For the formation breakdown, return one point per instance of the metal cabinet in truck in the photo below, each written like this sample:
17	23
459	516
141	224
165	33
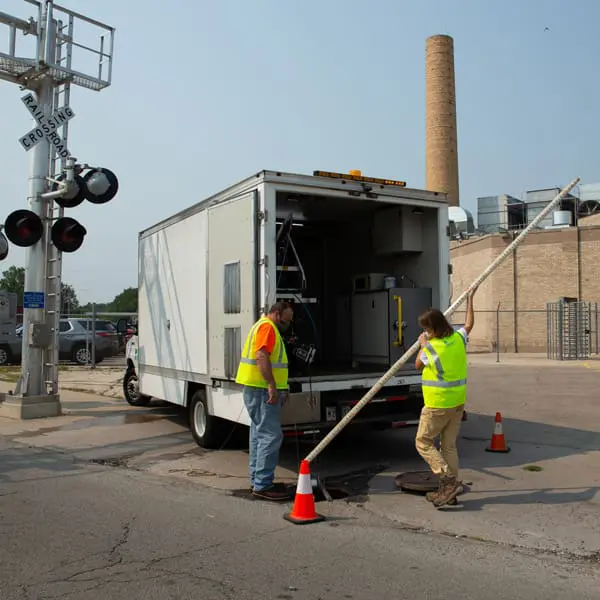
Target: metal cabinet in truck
358	257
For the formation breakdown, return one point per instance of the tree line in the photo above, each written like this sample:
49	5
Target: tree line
13	280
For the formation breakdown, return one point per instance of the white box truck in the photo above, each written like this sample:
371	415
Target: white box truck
358	257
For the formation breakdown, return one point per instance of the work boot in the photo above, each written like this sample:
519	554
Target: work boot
431	496
274	493
449	489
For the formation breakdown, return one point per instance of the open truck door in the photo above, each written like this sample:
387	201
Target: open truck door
233	307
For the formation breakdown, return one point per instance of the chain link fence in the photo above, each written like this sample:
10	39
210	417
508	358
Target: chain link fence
508	331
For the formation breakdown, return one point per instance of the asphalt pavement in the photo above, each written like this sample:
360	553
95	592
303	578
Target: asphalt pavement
111	501
80	531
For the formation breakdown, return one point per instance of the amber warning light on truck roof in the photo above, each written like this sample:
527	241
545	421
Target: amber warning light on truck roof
356	176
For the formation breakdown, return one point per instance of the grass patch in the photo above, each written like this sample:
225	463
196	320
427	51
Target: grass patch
533	468
12	374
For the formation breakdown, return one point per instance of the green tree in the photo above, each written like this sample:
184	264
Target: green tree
126	301
13	280
101	307
69	300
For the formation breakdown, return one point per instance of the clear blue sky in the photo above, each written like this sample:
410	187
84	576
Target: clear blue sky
207	93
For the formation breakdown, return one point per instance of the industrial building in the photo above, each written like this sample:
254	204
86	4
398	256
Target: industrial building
501	213
559	260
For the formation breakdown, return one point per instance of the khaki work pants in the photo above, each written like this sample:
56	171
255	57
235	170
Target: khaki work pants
446	423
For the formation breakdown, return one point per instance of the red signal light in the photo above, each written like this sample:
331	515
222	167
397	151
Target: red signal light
67	234
23	228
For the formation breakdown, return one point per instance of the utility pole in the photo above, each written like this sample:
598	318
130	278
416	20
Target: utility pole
55	182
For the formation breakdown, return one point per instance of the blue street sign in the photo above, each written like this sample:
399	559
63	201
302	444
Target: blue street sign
33	300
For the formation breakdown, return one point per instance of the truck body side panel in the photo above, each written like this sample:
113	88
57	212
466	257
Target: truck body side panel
232	298
173	305
228	403
164	387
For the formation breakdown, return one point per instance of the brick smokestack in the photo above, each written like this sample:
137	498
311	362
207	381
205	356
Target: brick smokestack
441	141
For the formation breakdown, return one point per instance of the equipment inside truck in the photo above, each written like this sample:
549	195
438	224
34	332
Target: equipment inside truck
358	274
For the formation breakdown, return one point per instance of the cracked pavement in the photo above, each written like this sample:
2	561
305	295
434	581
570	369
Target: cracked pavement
83	531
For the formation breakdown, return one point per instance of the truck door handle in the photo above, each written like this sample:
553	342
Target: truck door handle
399	324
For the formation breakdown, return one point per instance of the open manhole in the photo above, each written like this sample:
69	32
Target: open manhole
354	484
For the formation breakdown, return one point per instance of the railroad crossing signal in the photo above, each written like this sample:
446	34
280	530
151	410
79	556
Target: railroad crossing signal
23	228
47	126
102	185
67	234
75	195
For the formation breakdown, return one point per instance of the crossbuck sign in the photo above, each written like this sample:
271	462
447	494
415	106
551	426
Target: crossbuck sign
46	126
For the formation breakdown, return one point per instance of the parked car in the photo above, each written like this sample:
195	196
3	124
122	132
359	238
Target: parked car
10	350
75	342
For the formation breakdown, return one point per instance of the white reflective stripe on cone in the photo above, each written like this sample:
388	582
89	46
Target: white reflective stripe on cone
304	485
498	428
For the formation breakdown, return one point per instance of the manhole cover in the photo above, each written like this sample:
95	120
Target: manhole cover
417	481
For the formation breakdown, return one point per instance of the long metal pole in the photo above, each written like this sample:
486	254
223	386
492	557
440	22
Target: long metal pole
404	358
35	261
498	333
93	324
32	381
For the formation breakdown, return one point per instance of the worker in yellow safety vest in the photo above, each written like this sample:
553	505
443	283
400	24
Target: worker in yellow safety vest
263	371
443	360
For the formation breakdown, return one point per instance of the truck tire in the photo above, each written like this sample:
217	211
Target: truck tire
208	431
131	390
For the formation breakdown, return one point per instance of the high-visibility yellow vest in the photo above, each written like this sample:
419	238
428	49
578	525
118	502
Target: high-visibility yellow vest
445	376
248	372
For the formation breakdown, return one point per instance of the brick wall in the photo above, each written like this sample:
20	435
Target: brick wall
547	266
590	221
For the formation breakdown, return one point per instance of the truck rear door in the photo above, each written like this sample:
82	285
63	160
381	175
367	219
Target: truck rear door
233	251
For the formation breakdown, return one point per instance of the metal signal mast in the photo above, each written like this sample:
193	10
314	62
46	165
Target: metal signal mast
56	182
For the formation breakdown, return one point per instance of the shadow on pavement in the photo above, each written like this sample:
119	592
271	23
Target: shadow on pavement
533	496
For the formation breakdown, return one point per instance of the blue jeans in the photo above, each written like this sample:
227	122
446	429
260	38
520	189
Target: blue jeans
266	436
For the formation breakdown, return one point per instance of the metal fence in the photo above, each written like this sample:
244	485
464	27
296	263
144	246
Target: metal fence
509	331
572	328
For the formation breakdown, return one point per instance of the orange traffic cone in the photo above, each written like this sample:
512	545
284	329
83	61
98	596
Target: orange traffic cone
304	503
498	443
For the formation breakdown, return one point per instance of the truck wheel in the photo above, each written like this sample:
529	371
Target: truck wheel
208	431
131	390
